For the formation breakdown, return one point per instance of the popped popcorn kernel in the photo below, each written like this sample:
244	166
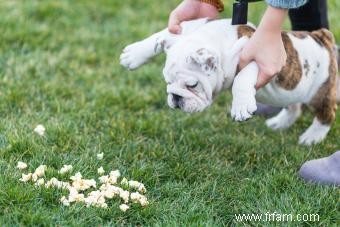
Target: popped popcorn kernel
113	176
40	182
83	184
25	177
124	195
55	183
40	130
136	197
34	177
21	165
124	182
100	156
64	201
123	207
65	169
101	171
40	171
95	198
76	177
104	179
137	185
110	191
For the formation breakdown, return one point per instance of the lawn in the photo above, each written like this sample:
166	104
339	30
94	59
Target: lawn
59	66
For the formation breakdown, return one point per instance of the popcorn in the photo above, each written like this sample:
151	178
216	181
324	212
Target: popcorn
101	171
100	156
65	169
74	196
124	195
40	182
104	179
136	197
64	201
113	176
25	177
137	185
55	183
96	198
21	165
110	191
40	171
83	184
124	182
76	177
34	177
143	201
40	130
123	207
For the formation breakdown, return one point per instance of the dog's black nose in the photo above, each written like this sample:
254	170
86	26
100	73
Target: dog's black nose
176	100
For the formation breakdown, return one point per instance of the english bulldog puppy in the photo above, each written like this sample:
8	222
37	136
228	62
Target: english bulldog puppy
203	61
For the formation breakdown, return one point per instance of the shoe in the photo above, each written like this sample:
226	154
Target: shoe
266	110
323	170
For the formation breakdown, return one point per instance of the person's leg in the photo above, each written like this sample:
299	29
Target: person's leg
312	16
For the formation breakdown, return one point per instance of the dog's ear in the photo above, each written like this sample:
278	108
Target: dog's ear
205	59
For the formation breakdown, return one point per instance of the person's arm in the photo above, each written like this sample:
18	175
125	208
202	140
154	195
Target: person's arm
266	46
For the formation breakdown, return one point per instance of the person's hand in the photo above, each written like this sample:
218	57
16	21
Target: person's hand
266	47
189	10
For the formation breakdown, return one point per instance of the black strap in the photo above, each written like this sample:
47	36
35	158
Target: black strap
240	11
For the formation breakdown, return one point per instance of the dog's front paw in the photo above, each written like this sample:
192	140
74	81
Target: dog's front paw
134	55
243	110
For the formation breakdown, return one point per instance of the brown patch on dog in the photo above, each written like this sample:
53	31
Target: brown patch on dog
323	37
299	34
324	102
291	73
245	30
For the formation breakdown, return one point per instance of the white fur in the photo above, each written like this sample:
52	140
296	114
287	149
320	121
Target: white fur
285	118
315	133
207	54
243	90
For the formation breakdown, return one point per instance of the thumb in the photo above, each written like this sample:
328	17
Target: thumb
245	59
173	25
262	79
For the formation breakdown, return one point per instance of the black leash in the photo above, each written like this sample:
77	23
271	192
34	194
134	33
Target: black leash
240	11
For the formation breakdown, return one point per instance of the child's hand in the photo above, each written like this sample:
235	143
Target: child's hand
189	10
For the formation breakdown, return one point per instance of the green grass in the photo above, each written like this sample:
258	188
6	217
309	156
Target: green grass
59	67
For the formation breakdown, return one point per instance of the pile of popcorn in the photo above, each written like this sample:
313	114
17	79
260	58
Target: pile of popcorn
86	191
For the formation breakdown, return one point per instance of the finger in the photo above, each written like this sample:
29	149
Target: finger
262	79
173	25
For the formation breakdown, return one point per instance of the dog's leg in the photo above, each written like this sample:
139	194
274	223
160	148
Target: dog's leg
285	118
315	133
243	90
324	105
137	54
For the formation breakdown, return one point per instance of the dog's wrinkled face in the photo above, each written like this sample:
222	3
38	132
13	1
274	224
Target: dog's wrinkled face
191	76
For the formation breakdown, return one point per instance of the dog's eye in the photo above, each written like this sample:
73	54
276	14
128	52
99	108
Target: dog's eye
192	86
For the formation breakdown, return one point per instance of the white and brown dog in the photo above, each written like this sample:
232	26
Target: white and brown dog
203	60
